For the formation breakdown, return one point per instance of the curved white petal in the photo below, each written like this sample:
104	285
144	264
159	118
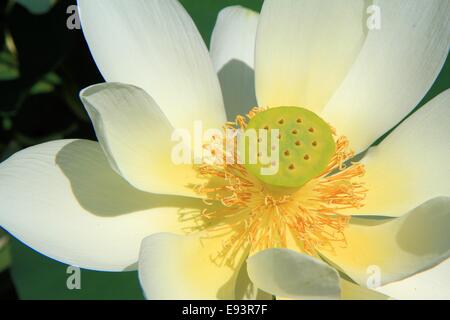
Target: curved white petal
287	273
63	200
396	67
379	252
155	46
173	267
246	290
136	137
352	291
232	53
433	284
304	49
412	165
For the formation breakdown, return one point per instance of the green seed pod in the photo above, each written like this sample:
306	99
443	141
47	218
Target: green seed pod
306	146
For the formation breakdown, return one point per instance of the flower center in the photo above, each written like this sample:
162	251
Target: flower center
299	205
304	148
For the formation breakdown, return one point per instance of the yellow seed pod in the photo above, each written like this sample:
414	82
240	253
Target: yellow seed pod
305	146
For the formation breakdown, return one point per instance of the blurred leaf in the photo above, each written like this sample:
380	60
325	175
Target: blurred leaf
47	84
39	278
37	6
8	66
5	257
7	124
42	42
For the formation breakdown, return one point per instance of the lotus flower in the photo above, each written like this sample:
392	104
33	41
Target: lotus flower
210	231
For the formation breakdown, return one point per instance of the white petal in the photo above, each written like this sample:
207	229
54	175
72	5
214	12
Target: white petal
155	46
246	289
351	291
396	67
379	252
232	52
136	137
305	49
433	284
412	165
173	267
289	274
63	200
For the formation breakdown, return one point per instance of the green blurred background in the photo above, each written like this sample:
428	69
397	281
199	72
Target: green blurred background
43	66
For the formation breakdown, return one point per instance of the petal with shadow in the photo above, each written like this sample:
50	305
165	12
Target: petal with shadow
289	274
156	46
63	199
187	267
381	251
232	52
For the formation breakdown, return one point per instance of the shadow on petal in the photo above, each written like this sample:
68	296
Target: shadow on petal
425	232
105	193
237	81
